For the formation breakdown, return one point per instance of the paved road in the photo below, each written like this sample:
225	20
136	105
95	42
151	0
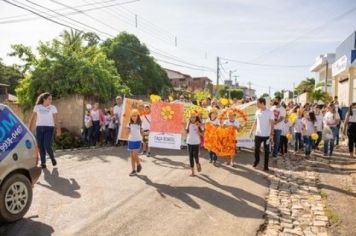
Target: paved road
90	193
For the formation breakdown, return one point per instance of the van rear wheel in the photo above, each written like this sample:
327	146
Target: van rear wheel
15	198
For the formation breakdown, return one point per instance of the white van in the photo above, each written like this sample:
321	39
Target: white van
18	166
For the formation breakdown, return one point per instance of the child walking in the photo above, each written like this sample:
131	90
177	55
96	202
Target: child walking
193	140
308	129
134	141
213	119
146	126
231	121
297	128
286	127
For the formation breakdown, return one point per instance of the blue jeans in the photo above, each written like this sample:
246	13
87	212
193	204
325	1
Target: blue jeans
277	141
317	142
44	137
298	141
329	144
213	156
95	132
308	144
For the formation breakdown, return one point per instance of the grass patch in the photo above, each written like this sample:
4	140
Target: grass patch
333	217
324	195
347	188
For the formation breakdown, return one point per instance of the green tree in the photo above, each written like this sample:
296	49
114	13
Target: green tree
237	93
71	64
10	75
320	95
306	86
278	94
224	92
265	95
200	95
136	67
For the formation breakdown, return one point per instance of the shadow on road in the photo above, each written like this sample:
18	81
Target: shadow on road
236	207
63	186
26	227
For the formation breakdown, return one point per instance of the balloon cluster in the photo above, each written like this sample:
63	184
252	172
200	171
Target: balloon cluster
155	98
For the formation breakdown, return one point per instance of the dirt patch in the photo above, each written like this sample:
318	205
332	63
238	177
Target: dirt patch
338	186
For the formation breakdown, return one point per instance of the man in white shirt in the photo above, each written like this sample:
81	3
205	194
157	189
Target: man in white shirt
279	113
264	124
117	110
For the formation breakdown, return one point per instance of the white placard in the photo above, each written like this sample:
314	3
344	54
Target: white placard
165	140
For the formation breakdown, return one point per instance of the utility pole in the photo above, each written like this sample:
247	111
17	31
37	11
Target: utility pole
236	81
269	91
326	76
249	89
136	21
217	74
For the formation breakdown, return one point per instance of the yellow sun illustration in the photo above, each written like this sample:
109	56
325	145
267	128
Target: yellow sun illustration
167	113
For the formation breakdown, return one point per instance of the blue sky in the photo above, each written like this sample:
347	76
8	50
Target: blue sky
277	32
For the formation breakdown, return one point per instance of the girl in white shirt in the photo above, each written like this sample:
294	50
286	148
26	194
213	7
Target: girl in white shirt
318	126
308	129
286	127
45	116
213	119
146	126
231	121
134	140
194	131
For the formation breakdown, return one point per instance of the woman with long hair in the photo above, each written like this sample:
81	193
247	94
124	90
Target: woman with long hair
45	116
350	128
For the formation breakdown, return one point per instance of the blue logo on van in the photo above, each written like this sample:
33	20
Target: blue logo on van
11	132
28	144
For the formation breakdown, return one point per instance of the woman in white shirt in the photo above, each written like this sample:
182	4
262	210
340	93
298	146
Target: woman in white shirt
194	131
45	116
350	123
332	120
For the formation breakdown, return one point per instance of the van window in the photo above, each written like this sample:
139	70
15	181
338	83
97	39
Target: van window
11	132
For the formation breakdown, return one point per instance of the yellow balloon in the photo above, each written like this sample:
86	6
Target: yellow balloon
224	101
292	118
314	136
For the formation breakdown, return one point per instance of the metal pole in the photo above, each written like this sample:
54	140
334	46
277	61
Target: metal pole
217	74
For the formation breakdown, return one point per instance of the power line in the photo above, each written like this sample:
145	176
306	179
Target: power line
60	9
71	19
29	17
144	30
265	65
76	28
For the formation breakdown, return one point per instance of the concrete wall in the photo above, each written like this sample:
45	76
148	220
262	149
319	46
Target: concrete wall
71	113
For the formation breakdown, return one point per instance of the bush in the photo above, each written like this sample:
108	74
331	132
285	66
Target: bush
67	141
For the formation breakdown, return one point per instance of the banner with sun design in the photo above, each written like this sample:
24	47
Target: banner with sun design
166	125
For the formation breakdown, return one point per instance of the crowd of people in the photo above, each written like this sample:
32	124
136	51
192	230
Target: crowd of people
279	128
